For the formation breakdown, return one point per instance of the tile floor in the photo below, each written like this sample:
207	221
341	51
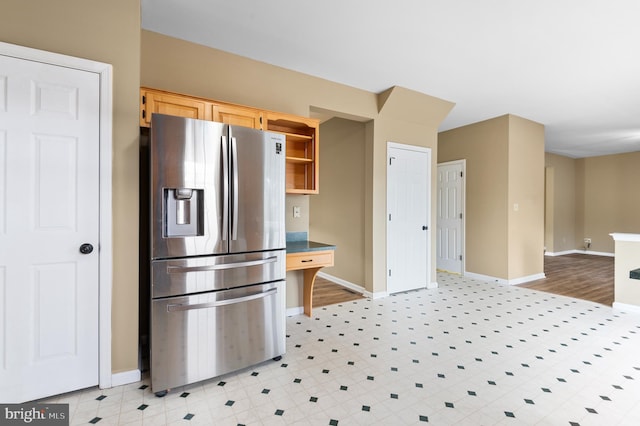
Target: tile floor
466	353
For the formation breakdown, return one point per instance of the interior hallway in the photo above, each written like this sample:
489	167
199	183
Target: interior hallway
466	353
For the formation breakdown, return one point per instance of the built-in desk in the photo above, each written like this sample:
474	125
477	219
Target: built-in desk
310	257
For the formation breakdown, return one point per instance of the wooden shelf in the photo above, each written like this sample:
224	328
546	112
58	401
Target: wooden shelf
292	137
302	150
299	160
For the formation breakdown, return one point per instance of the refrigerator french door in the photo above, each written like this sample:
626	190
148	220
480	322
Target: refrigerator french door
217	249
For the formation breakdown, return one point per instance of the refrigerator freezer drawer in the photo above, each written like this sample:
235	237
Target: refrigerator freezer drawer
200	274
202	336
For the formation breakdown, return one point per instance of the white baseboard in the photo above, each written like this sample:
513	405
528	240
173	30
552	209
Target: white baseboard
344	283
527	279
375	296
596	253
292	312
503	281
354	287
626	307
559	253
126	377
593	253
487	278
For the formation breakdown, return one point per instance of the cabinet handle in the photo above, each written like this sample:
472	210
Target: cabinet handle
220	266
306	260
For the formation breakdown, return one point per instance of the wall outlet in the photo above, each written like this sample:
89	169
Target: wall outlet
587	243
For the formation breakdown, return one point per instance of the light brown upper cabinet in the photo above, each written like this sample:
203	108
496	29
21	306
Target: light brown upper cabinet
302	134
171	104
237	115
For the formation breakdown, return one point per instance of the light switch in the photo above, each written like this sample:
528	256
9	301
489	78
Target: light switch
296	211
516	207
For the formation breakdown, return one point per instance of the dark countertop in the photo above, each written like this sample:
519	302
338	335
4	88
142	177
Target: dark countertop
635	274
297	242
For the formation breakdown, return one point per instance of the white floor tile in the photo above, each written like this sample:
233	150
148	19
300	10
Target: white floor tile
466	353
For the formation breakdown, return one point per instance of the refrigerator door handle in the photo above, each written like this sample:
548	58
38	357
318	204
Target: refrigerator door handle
220	266
234	174
187	307
225	189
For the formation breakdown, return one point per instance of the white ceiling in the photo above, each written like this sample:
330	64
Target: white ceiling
572	65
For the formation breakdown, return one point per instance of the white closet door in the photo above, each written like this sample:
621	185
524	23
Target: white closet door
408	200
49	208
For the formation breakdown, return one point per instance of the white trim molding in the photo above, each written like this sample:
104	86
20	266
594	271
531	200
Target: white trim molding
104	72
619	236
626	307
576	251
344	283
292	312
514	281
527	279
355	287
126	377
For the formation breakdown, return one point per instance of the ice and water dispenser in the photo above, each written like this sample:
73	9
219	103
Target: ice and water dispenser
183	212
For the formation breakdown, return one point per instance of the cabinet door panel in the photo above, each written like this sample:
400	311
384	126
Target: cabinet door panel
181	106
237	116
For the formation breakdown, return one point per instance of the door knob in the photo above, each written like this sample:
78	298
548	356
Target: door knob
425	227
86	248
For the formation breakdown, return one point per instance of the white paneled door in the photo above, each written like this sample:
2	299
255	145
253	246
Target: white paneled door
450	238
49	229
408	195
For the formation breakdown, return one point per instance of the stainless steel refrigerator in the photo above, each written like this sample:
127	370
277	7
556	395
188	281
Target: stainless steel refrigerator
217	249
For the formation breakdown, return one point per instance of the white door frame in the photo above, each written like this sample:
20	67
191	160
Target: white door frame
429	206
105	257
463	204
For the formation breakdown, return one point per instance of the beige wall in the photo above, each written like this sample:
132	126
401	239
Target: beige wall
526	198
485	147
337	212
399	114
549	200
607	198
504	229
560	227
106	32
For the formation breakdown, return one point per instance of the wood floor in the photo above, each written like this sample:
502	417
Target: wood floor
581	276
326	293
